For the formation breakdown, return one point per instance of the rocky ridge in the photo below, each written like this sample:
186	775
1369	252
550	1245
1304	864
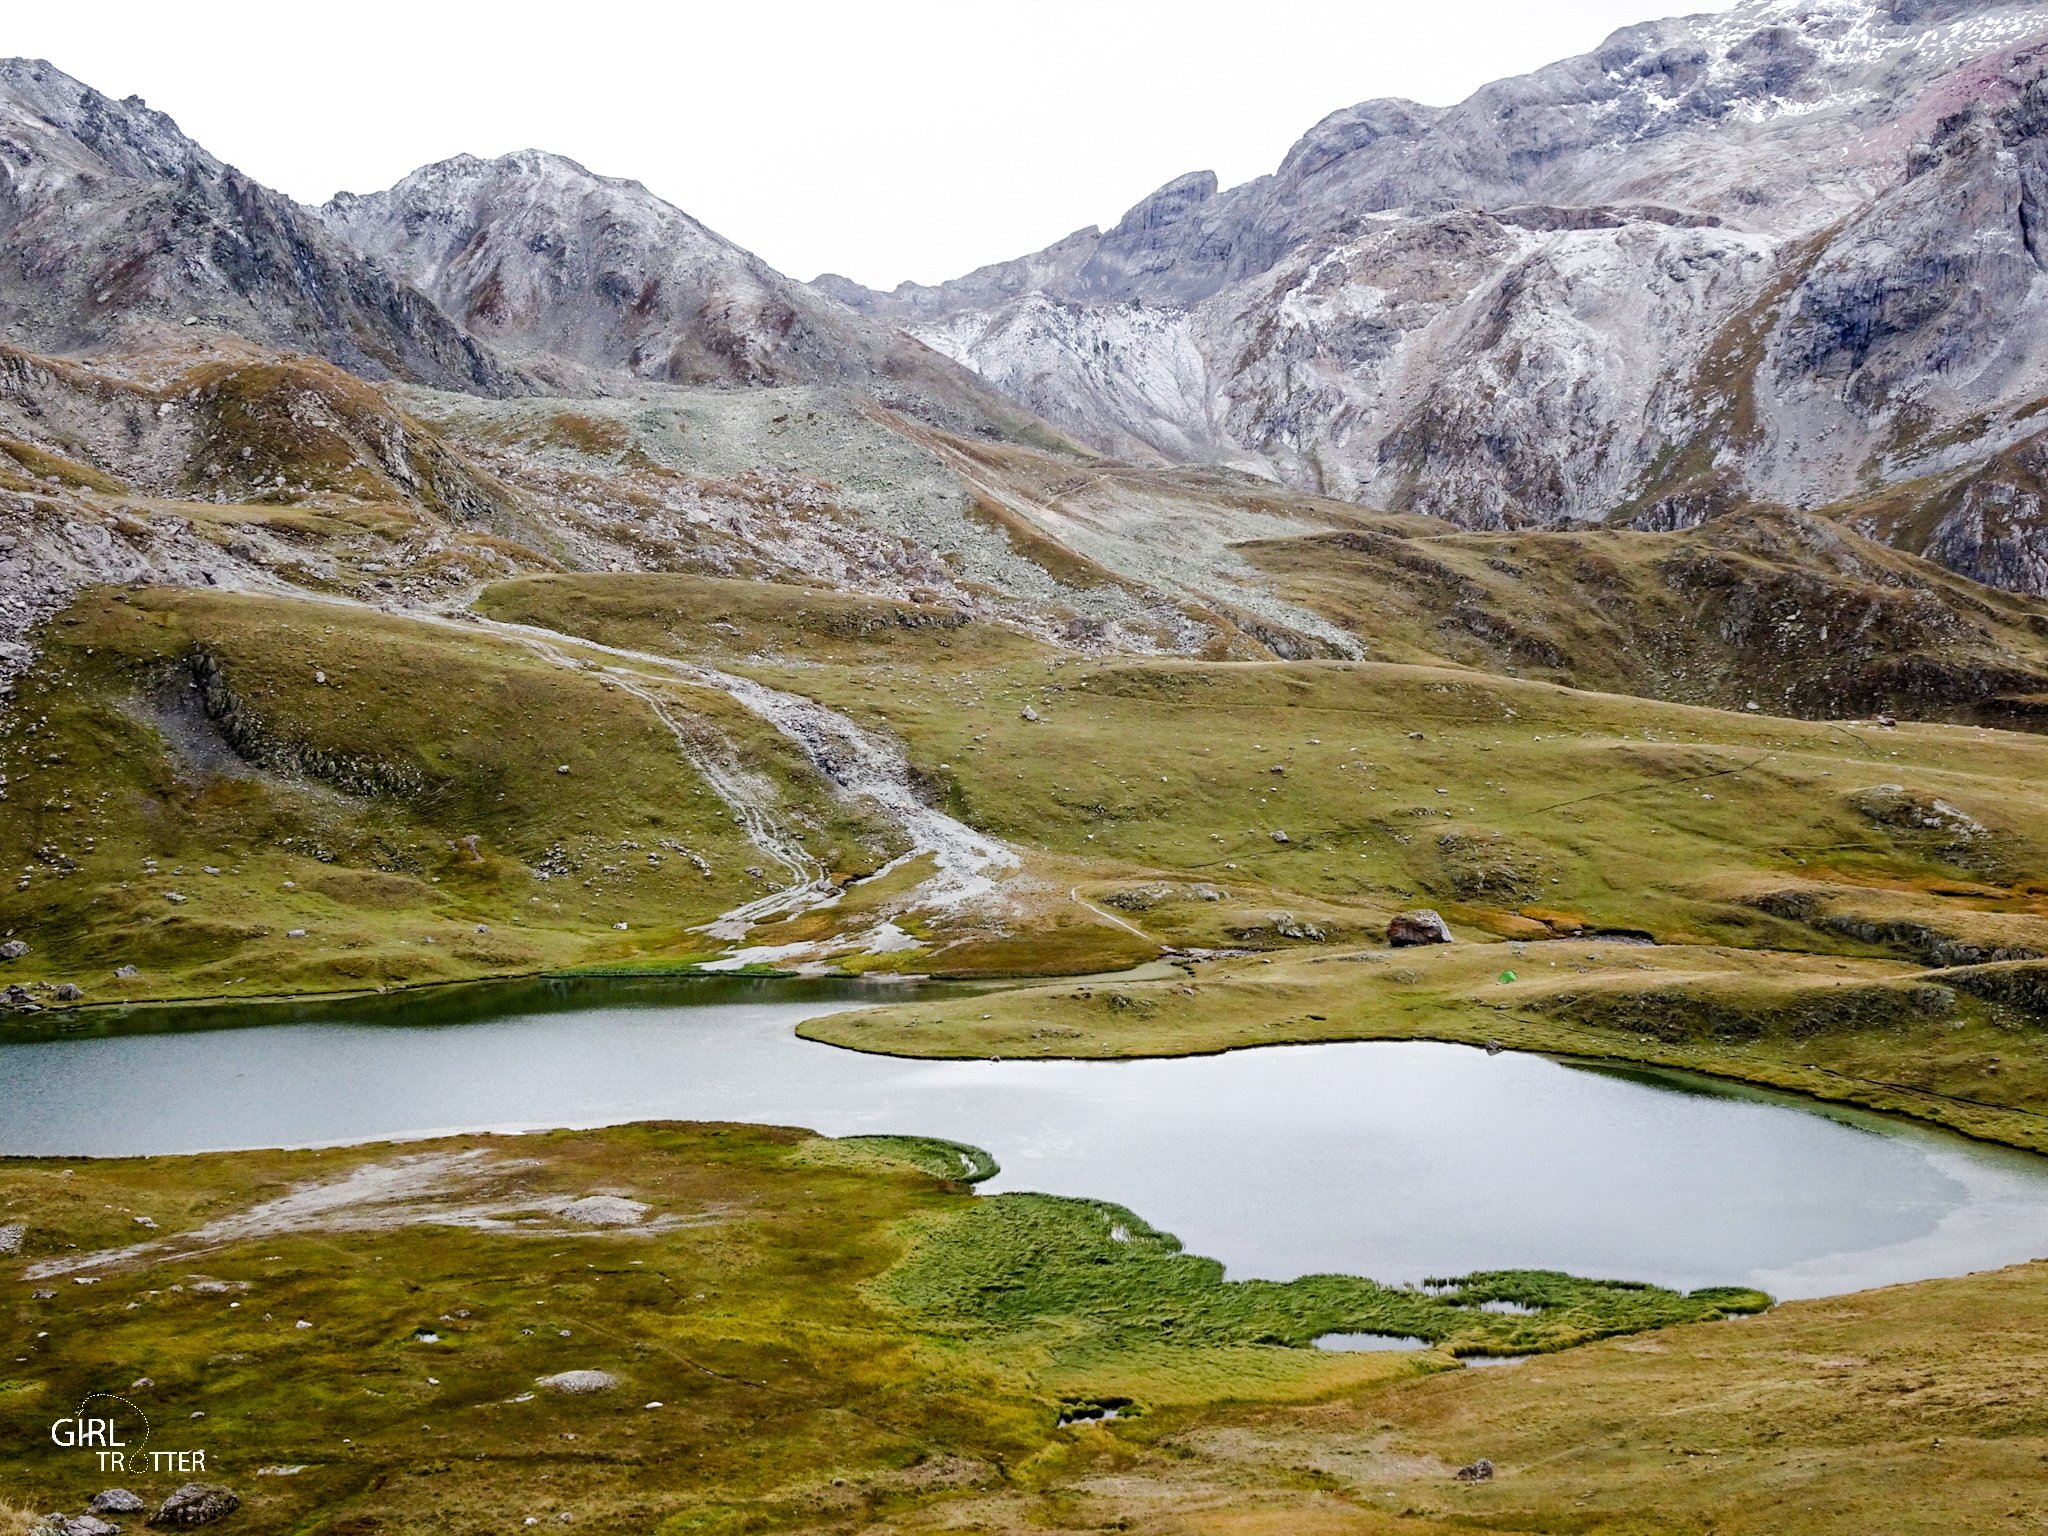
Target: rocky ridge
116	228
586	277
1785	254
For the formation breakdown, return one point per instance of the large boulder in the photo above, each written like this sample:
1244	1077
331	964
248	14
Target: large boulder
115	1501
13	949
1422	926
196	1504
578	1382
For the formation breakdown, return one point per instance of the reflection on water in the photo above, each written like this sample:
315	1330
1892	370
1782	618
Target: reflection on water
1394	1160
1355	1343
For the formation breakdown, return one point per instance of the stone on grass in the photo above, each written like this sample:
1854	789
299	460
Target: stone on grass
1480	1471
85	1525
605	1211
13	949
578	1382
115	1501
67	992
1422	926
196	1504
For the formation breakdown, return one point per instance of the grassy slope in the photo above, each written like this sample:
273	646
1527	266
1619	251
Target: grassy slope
811	1292
1784	608
344	807
839	1341
1913	1410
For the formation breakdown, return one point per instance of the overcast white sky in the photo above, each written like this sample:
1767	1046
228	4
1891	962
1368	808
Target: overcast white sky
884	140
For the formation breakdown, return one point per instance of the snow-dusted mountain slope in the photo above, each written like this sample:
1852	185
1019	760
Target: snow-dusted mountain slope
1787	252
559	266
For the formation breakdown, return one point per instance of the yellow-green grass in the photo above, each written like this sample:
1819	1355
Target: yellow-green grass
817	1321
810	1316
716	616
380	783
747	1318
1517	808
1786	609
1873	1033
1509	804
1915	1411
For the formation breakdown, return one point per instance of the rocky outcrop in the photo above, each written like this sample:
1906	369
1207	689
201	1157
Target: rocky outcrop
196	1504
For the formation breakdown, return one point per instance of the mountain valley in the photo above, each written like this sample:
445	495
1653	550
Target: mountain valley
1603	518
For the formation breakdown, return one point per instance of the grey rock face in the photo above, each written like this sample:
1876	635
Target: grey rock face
115	227
561	266
1788	253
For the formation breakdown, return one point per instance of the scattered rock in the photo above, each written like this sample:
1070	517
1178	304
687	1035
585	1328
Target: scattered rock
561	768
84	1525
1281	837
605	1211
18	996
13	949
1480	1471
1141	898
115	1501
11	1237
1205	893
1422	926
126	972
1027	713
1288	926
578	1382
196	1504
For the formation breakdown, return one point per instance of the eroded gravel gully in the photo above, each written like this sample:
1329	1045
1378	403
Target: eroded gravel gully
862	765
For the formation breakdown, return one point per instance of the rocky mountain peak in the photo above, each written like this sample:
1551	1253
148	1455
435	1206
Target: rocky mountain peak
586	276
121	231
1787	252
1169	205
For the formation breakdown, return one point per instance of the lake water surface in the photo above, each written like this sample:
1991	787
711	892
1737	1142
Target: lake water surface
1398	1161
